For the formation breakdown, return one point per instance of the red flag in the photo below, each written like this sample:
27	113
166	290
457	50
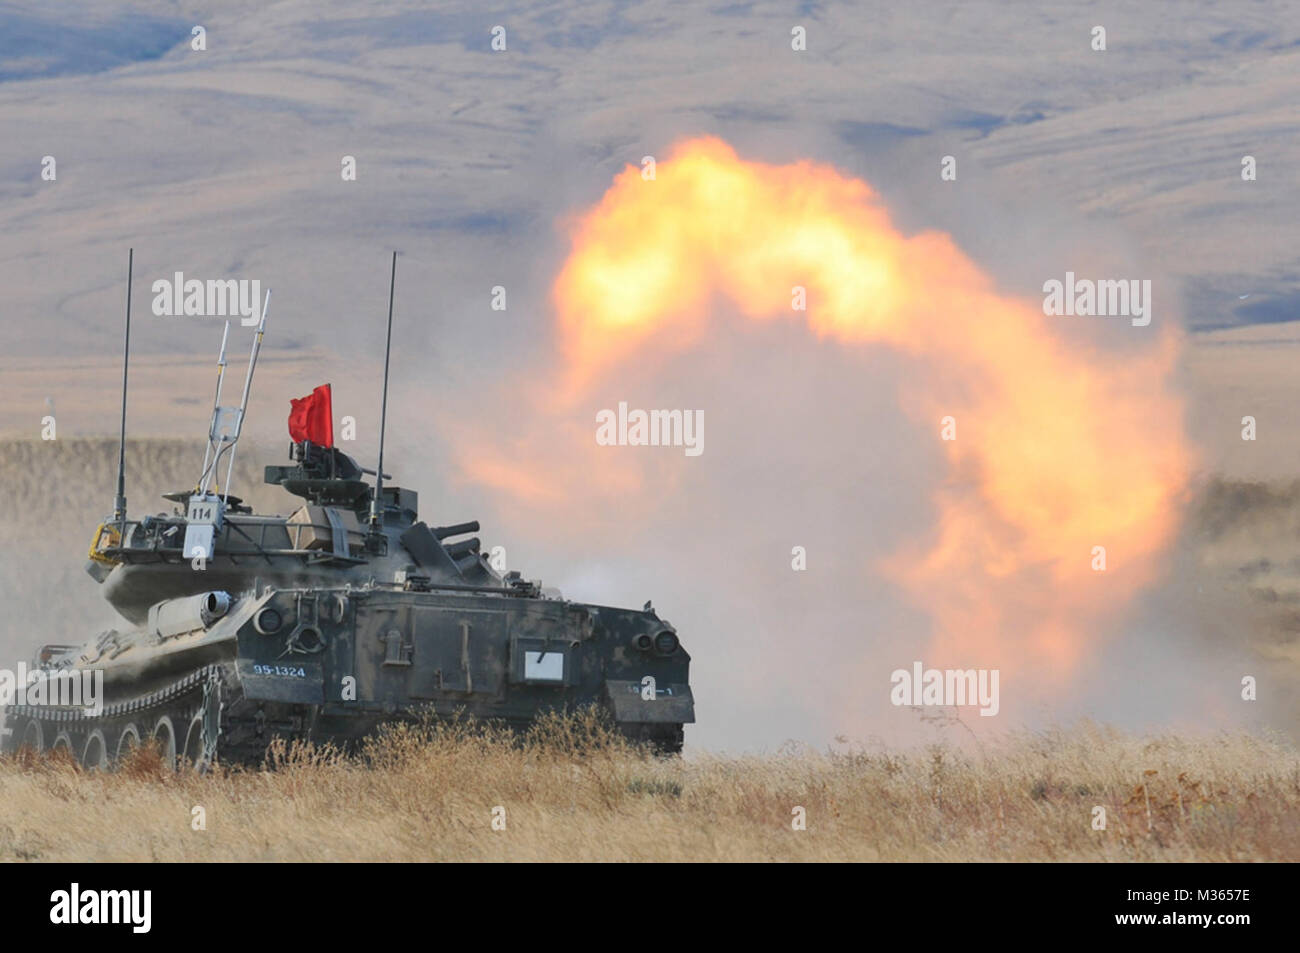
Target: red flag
312	418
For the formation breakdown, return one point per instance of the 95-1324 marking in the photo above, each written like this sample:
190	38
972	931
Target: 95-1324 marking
286	671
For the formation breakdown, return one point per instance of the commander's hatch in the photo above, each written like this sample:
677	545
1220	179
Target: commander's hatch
322	475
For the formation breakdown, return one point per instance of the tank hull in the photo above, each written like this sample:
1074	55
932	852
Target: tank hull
331	665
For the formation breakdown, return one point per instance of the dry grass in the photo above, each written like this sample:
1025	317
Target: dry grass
571	792
428	794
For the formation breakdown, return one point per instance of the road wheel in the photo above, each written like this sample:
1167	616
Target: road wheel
164	736
33	737
193	758
62	747
94	757
127	742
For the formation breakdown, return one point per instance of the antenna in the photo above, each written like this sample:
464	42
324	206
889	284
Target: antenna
215	431
376	500
205	513
248	383
119	503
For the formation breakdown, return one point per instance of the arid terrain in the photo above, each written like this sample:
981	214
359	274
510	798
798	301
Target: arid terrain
569	793
572	793
297	145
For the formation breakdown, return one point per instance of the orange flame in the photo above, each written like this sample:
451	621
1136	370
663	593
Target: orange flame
1058	449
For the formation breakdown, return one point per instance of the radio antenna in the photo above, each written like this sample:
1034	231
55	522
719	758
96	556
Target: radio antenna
215	432
205	514
377	501
248	384
119	503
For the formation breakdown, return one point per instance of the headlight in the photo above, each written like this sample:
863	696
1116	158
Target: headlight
268	621
666	642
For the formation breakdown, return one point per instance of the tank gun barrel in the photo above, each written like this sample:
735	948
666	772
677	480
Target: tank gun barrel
458	529
470	545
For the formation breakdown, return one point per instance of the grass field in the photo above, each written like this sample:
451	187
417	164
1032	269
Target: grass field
570	792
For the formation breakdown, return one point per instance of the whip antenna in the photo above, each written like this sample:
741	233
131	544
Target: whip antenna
248	384
119	503
377	501
215	441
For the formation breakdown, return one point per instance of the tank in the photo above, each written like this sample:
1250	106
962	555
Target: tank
241	628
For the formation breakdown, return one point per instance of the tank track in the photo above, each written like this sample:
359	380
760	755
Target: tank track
663	739
194	719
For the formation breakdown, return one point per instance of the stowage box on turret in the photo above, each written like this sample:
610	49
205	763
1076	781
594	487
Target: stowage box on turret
324	624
